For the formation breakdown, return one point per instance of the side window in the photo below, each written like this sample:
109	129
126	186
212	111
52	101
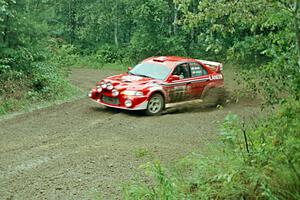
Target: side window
197	70
182	71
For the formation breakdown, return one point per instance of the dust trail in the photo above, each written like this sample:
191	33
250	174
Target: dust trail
210	102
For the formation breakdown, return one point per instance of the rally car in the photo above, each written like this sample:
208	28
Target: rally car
158	81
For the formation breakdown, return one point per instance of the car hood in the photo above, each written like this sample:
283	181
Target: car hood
131	82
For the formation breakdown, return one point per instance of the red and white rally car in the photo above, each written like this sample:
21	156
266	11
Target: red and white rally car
158	81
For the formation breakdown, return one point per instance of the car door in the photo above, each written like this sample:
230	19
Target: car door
179	90
199	79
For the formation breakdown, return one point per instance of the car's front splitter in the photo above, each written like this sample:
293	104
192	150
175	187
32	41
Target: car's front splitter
142	106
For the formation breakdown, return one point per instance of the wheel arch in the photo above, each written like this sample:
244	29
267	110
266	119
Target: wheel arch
161	92
206	89
157	92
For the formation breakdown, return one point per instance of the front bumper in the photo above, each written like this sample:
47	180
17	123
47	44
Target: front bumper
138	102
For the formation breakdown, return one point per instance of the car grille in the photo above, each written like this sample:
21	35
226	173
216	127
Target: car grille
111	100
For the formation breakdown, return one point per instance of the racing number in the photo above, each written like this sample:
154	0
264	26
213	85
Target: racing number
178	93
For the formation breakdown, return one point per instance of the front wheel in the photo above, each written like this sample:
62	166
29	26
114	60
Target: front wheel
155	105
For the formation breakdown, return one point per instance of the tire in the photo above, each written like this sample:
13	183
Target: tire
214	97
155	105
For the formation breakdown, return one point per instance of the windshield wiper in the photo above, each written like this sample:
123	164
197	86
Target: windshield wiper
143	75
132	73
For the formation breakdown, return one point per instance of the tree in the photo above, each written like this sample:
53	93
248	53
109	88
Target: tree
258	34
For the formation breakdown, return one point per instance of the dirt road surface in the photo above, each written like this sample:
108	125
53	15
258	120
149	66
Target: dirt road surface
81	150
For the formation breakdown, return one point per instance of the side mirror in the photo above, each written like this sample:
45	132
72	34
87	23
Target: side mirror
174	78
129	68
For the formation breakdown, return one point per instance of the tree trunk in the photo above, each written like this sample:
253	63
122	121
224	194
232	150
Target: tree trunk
175	21
72	21
5	31
297	32
116	34
116	21
37	5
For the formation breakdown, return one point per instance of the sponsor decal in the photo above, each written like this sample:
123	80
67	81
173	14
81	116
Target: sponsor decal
177	93
216	77
196	71
180	88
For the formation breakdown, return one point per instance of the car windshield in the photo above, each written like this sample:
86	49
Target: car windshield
151	70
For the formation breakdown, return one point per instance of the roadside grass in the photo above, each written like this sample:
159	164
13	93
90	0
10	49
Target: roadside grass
207	175
11	107
143	152
251	160
23	99
92	62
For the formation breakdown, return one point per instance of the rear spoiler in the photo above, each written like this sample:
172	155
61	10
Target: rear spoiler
216	66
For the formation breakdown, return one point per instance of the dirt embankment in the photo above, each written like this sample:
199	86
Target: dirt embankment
81	150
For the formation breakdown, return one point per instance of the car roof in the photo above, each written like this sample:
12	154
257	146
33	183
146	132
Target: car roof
169	61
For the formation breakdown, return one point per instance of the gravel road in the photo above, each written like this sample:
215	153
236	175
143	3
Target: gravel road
81	150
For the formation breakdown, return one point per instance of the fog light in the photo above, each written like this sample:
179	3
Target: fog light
104	86
90	94
110	86
115	92
99	89
128	103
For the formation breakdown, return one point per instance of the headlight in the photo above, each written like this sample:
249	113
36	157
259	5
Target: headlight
115	92
133	93
109	86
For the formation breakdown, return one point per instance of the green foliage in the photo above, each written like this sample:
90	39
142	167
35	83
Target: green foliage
40	81
142	152
47	80
151	36
165	187
259	35
62	54
259	160
33	74
109	54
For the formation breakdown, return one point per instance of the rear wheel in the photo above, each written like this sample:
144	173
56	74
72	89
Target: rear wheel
155	105
214	96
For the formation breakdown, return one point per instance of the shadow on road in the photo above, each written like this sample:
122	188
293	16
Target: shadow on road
173	110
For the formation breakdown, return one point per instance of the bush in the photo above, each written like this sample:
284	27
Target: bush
60	53
31	75
47	80
109	54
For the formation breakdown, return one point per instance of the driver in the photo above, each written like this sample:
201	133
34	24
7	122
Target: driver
181	71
